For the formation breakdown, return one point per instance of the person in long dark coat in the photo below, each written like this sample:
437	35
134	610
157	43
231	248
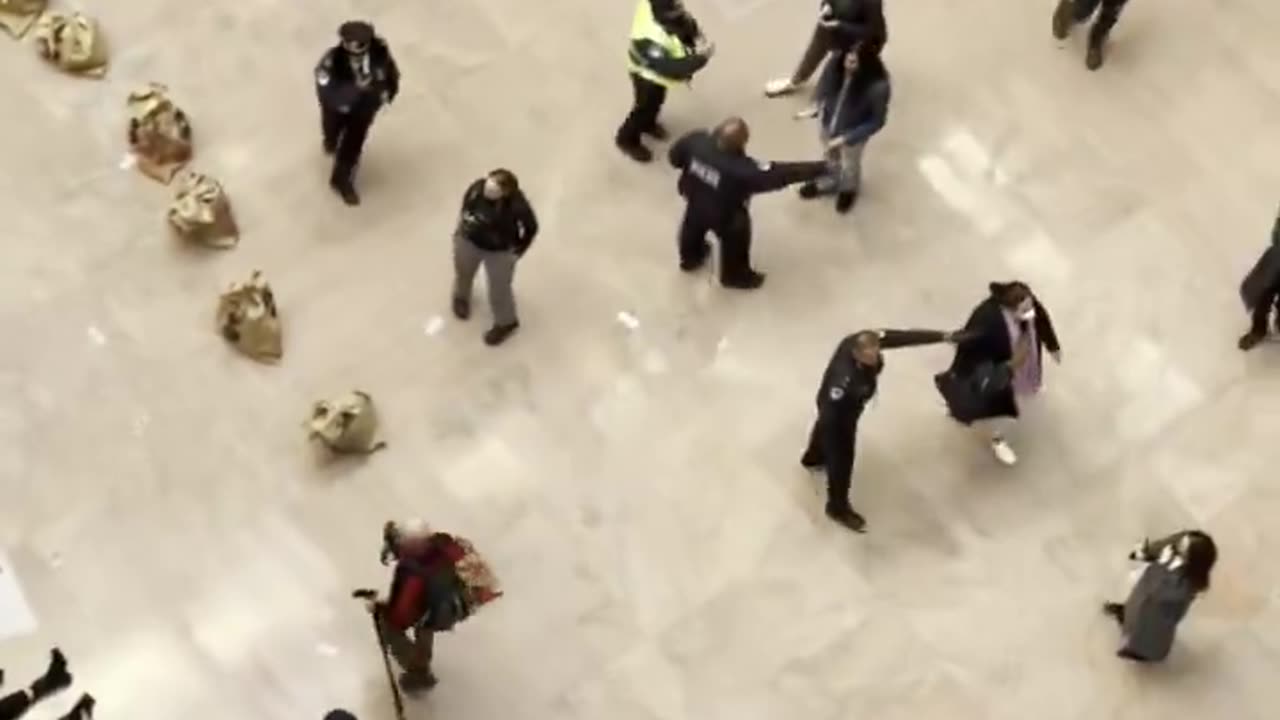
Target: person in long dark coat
1260	292
1007	332
1177	571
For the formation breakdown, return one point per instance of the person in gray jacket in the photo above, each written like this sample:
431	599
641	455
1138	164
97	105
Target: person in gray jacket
1177	571
852	105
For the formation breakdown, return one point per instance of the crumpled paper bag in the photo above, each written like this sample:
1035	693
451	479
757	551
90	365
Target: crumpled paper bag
73	43
346	425
248	319
201	212
17	16
159	133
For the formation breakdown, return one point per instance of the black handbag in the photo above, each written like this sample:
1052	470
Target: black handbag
967	396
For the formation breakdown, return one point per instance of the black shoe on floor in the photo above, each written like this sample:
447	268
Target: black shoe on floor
82	710
849	518
1094	57
1063	19
55	678
637	152
417	682
461	308
1114	611
657	132
751	281
808	191
1250	340
347	192
498	334
845	201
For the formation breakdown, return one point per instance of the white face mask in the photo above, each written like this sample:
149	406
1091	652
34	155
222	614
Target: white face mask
492	190
1026	310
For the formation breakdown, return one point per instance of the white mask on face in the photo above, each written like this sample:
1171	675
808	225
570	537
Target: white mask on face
492	190
1026	310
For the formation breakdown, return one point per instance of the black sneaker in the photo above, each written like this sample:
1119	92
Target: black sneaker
1250	340
845	201
55	678
808	191
849	518
1063	19
461	308
657	132
1093	58
347	192
637	152
751	281
498	334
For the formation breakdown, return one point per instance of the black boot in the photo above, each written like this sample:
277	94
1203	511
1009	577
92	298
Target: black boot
635	150
750	281
55	678
847	517
346	191
1096	54
498	334
82	710
1063	19
1250	340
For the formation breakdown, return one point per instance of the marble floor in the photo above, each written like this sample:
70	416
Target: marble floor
635	483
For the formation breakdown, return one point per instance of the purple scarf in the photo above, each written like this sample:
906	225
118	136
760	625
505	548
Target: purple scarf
1026	376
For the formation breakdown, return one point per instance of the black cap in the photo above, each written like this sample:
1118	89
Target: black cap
339	715
356	31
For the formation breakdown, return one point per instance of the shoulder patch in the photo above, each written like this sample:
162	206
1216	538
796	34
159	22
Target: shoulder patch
764	166
836	393
322	77
654	52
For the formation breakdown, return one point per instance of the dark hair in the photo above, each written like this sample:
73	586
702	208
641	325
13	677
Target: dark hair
1201	555
506	180
1004	290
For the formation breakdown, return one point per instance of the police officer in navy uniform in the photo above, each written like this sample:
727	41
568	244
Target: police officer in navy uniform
354	79
847	384
717	179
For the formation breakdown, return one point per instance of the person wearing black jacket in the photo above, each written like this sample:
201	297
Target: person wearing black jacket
717	178
848	383
852	106
841	25
1260	293
1069	13
495	229
354	79
1003	339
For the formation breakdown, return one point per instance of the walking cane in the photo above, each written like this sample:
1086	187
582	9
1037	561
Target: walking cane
382	645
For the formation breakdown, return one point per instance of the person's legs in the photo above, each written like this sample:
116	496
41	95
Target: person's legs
735	254
1107	18
647	100
838	448
849	179
405	650
55	679
347	157
692	241
1069	13
499	271
466	261
331	127
814	456
15	705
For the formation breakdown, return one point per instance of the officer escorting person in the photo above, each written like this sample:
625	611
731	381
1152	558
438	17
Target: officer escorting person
717	180
667	48
495	229
354	79
848	383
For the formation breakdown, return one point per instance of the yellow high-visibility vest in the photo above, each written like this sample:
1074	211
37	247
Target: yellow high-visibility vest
645	27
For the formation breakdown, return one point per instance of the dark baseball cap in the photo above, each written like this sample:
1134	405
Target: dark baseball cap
339	715
356	31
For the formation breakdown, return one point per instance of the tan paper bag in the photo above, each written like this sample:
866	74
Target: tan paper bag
73	43
201	212
346	425
159	133
248	319
17	16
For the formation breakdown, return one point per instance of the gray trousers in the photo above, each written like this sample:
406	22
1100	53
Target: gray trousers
412	649
499	271
844	174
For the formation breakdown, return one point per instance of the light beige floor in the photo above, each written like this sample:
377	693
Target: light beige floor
664	556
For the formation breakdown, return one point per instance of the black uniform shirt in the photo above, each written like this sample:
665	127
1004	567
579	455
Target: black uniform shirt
338	85
720	182
847	384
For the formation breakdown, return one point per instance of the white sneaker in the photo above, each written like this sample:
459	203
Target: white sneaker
807	113
1003	452
779	87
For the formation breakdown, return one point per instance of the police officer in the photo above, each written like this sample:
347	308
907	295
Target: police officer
667	48
847	384
1069	13
354	79
717	179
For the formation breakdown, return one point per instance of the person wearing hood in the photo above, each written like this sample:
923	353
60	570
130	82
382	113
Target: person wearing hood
848	383
841	25
1175	573
667	48
354	79
852	106
1070	13
1260	292
717	179
1001	355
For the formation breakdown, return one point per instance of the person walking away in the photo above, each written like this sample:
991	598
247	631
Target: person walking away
1070	13
841	25
717	179
667	48
354	79
1260	292
852	106
1176	573
1008	331
496	227
848	383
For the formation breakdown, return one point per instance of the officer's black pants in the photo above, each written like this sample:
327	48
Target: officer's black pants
734	236
345	133
1107	17
15	705
647	103
832	446
1262	313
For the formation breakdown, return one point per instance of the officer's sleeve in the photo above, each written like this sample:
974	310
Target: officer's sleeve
527	222
679	153
763	177
891	339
